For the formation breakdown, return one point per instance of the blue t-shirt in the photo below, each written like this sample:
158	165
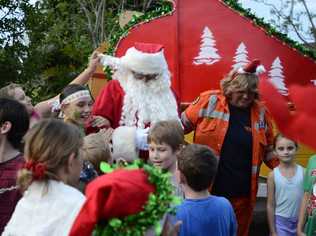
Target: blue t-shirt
208	216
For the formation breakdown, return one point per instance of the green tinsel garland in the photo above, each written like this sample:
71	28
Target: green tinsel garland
158	204
165	8
270	30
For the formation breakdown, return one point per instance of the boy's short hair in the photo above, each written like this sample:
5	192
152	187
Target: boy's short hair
198	164
96	150
15	113
169	132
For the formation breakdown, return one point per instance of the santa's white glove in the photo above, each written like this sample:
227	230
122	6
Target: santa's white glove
141	138
107	60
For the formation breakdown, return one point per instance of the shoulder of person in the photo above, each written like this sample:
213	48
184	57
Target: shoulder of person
271	173
210	93
73	196
204	96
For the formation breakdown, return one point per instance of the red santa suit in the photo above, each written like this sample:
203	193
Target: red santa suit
109	103
129	101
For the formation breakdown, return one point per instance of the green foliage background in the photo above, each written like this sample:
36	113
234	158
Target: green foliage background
45	45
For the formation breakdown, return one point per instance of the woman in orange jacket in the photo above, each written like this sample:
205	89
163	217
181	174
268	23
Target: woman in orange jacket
237	126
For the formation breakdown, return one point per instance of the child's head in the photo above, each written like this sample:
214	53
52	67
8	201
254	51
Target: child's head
16	92
76	103
52	151
96	150
197	165
14	121
124	148
165	139
284	148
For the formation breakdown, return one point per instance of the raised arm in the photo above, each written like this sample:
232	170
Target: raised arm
45	106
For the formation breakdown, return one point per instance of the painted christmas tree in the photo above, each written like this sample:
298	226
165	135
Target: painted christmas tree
277	77
241	56
208	53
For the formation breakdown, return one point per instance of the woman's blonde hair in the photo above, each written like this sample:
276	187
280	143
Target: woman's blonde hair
234	81
96	150
49	142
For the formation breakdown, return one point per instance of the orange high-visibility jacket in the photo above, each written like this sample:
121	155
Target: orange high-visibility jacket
208	116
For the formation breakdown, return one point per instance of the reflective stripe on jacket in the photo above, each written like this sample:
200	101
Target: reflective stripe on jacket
209	115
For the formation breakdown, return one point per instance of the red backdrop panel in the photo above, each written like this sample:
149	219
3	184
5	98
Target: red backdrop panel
204	40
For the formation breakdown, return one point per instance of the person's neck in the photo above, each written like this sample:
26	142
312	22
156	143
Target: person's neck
172	168
287	165
191	194
7	152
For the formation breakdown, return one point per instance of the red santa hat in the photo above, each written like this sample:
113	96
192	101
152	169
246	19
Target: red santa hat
144	58
253	67
125	201
114	195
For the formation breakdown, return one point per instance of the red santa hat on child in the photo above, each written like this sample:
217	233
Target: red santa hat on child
114	195
137	197
145	58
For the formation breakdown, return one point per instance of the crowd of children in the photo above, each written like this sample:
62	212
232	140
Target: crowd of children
45	167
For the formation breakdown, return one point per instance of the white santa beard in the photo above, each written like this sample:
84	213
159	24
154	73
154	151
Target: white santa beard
147	102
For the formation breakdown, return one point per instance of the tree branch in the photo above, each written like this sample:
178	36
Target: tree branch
309	15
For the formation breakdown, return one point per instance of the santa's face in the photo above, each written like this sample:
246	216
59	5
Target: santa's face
147	101
144	77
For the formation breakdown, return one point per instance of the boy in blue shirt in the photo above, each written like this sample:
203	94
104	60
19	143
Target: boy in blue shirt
201	213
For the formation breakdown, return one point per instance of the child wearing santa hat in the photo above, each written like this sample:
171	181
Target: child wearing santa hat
127	201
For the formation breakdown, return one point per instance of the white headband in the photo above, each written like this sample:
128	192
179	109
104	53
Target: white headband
76	96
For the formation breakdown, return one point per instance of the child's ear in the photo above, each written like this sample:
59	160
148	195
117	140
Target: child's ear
5	127
70	161
183	180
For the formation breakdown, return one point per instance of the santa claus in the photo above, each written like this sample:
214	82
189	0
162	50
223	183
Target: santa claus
140	92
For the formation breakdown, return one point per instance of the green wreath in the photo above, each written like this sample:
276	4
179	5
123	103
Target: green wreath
158	204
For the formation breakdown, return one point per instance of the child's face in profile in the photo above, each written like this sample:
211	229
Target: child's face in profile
20	96
285	149
162	156
74	169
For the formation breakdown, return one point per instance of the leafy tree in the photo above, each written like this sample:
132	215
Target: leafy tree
47	44
288	16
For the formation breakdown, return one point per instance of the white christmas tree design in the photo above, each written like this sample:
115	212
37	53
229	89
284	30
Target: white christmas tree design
208	53
277	77
313	81
241	56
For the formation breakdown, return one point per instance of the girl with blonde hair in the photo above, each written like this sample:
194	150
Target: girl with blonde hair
53	163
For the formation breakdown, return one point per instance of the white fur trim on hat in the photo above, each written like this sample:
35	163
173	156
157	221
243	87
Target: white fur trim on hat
124	143
107	60
145	63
